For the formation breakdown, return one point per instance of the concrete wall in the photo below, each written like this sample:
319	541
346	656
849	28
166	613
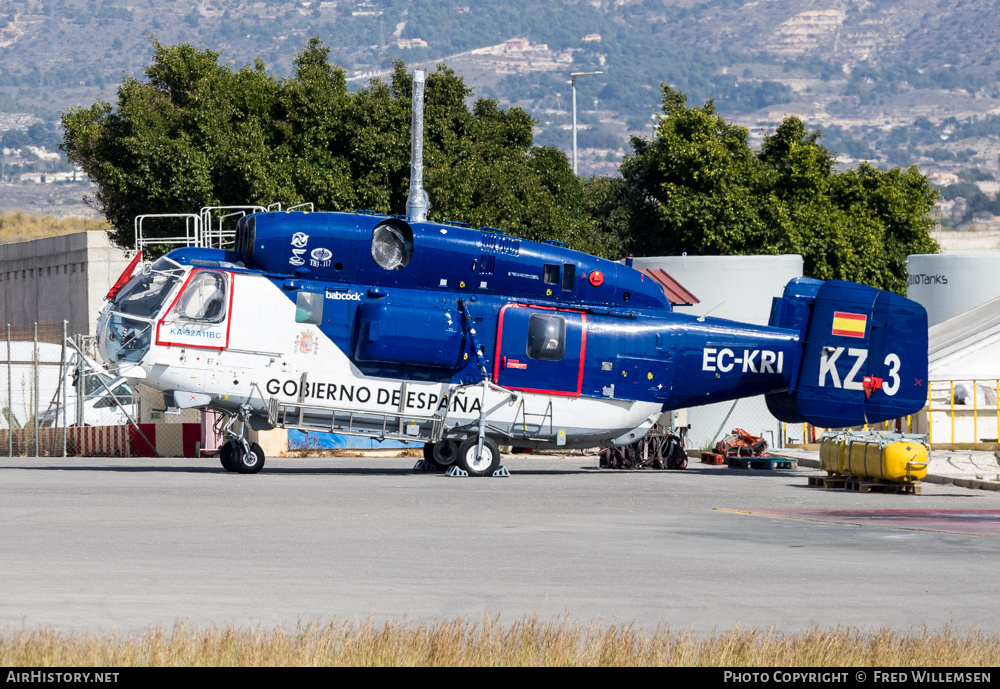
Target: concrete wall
739	288
958	241
736	287
58	278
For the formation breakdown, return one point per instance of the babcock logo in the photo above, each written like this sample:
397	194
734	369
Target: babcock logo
344	296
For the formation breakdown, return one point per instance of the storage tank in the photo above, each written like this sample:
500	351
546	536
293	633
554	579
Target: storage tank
950	284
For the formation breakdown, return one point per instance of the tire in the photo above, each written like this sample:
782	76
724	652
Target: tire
227	456
252	463
444	454
488	462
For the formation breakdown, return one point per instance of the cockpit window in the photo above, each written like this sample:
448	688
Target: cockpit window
145	294
204	299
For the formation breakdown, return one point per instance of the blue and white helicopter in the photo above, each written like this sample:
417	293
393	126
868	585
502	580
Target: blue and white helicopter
462	338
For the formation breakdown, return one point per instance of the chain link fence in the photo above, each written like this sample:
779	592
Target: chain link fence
714	421
56	400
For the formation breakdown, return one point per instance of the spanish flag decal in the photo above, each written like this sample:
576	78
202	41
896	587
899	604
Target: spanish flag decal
849	324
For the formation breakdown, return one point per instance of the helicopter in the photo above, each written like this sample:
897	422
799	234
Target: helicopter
462	338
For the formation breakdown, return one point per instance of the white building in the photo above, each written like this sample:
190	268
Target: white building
738	288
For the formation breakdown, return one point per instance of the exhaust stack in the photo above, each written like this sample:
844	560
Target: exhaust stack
417	203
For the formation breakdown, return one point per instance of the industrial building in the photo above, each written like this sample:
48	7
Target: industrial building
961	292
951	284
55	279
738	288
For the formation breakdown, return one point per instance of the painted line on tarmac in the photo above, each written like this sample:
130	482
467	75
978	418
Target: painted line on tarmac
968	522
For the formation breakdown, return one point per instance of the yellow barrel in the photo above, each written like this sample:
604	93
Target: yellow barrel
843	450
887	459
828	447
829	452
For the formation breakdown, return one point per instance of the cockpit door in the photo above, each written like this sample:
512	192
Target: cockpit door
540	350
199	315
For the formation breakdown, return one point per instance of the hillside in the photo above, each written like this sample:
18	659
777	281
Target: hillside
901	83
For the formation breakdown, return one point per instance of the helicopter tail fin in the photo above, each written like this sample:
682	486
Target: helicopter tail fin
863	355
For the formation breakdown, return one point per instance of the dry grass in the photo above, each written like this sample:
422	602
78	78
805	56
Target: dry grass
20	226
528	641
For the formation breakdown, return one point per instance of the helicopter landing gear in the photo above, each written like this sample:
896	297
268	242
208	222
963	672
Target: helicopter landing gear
443	454
227	455
475	462
239	454
438	456
241	457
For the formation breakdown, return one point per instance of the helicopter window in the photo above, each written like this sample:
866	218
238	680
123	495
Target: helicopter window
550	274
569	275
392	245
144	295
204	298
546	337
309	308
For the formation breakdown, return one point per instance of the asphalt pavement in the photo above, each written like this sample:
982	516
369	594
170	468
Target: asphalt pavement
126	544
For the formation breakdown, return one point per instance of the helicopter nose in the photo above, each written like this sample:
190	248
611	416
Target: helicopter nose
102	333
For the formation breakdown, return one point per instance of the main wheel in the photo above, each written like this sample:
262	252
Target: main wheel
485	464
252	462
444	453
227	456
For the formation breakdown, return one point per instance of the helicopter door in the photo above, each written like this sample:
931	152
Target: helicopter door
540	350
199	316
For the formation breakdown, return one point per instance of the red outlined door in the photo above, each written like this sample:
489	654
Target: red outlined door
540	349
200	314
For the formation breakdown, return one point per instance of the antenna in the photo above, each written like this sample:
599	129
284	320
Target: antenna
701	318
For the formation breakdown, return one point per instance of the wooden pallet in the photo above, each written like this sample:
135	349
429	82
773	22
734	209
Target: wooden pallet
882	487
768	463
827	481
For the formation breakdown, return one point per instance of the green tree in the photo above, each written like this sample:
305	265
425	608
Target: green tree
197	133
698	187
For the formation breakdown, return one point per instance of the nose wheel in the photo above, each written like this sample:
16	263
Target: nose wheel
478	463
241	457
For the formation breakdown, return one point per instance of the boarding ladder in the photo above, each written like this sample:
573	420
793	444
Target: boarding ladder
380	425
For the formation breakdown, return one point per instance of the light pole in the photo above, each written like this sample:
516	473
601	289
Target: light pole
573	77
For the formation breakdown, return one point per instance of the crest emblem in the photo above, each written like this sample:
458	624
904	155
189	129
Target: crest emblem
307	342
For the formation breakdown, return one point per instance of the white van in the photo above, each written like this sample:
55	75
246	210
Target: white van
26	391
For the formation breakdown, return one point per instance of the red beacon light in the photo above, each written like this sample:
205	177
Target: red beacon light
597	278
